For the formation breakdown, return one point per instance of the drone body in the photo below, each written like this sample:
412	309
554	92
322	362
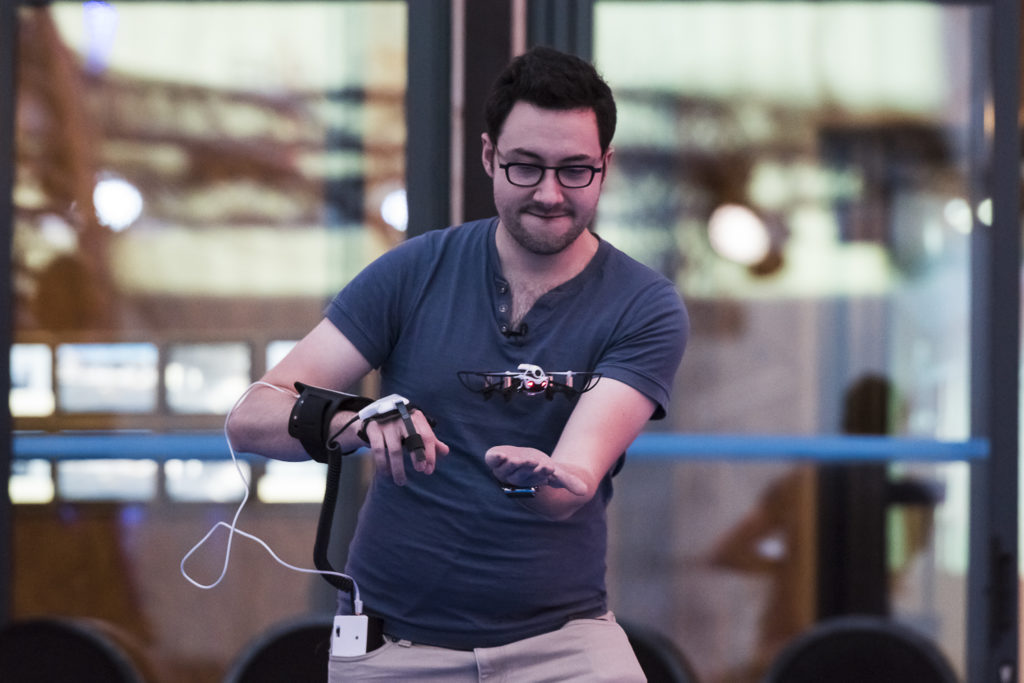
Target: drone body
528	379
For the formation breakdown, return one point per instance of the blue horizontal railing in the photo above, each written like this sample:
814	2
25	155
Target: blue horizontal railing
648	446
821	447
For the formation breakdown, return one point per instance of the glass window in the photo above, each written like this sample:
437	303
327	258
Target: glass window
811	176
214	194
193	181
229	185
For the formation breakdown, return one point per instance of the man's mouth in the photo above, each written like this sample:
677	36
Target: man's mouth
547	214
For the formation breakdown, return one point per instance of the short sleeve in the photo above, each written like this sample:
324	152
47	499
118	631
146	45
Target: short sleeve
648	346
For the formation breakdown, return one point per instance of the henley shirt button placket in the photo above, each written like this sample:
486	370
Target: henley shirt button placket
503	306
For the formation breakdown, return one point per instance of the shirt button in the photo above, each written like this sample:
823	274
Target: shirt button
503	308
504	329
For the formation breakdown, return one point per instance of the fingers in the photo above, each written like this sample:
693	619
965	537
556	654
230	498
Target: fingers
386	447
522	467
433	448
389	441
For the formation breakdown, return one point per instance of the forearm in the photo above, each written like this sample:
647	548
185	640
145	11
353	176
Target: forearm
259	423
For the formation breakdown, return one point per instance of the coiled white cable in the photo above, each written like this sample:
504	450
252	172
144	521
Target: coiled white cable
233	526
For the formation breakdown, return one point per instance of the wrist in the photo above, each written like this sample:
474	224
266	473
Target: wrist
344	431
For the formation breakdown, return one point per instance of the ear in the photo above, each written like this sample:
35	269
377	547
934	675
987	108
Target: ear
487	154
607	163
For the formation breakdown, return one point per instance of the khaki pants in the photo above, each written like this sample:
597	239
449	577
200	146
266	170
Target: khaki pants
584	650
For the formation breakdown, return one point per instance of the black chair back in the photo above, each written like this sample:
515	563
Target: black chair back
295	651
62	650
860	649
661	660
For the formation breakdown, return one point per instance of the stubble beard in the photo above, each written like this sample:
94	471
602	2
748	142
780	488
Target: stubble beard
544	244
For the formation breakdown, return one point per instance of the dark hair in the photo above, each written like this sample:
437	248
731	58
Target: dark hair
551	79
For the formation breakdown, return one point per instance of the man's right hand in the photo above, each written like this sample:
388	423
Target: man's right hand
388	452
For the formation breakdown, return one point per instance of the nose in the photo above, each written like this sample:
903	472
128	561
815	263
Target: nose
548	191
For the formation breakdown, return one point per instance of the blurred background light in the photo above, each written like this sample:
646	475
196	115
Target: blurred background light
958	214
394	209
100	20
738	234
985	211
118	202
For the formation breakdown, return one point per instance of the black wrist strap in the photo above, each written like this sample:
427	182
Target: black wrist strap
310	420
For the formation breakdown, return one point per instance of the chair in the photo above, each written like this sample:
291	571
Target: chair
860	649
661	660
62	650
295	651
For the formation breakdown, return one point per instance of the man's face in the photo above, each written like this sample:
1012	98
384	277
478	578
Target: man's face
546	218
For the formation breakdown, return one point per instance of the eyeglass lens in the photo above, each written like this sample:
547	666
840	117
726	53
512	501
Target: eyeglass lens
527	175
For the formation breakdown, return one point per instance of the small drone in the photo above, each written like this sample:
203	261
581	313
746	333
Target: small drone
530	380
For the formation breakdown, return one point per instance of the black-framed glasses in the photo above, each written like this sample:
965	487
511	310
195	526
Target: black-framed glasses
572	177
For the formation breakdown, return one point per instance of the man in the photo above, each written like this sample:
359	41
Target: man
470	582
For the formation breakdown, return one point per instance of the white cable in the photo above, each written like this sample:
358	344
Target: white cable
233	526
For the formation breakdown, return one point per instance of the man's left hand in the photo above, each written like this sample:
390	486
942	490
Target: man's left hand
521	466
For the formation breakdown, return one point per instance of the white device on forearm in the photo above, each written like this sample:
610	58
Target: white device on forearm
384	408
393	407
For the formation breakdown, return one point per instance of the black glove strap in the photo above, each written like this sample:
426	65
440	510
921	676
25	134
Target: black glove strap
310	420
413	442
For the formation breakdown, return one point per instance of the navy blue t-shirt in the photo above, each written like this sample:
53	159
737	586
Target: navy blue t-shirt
448	559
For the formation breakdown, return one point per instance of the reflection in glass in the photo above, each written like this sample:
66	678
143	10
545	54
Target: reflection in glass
188	174
771	114
93	378
249	165
860	168
851	131
31	482
198	480
31	380
107	480
292	482
206	378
